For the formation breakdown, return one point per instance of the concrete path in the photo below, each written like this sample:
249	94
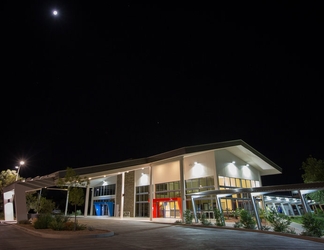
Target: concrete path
130	233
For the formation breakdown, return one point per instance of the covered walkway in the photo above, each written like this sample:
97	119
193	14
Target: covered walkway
256	195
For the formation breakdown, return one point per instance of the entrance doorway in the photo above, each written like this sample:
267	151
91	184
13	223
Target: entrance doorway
104	208
167	208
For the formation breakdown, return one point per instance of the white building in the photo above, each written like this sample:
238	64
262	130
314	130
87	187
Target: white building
160	183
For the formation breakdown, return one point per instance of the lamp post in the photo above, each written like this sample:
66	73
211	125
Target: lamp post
18	167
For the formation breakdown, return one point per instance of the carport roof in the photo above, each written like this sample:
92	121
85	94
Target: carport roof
34	183
303	187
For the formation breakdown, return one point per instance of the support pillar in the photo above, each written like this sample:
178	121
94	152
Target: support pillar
67	202
219	204
256	212
302	199
151	193
122	196
283	209
182	189
91	203
86	203
194	208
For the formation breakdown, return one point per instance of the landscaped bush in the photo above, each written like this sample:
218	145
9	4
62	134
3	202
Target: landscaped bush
313	226
203	220
280	222
188	217
59	222
219	217
246	220
43	221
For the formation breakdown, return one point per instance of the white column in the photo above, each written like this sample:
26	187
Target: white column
122	196
20	202
8	198
91	205
151	193
67	202
86	203
182	189
255	208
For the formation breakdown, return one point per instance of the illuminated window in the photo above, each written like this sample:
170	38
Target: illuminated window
233	182
221	180
238	182
227	181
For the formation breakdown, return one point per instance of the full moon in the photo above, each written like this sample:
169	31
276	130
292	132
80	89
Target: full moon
55	13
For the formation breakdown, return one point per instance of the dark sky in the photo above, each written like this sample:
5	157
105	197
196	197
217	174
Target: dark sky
105	82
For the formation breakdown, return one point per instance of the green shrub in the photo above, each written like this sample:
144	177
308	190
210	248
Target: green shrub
219	217
247	220
313	226
43	221
280	222
58	222
188	217
203	220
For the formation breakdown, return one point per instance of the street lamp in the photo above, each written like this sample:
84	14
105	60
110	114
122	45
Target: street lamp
18	167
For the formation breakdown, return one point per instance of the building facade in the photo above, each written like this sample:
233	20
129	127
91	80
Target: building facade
160	186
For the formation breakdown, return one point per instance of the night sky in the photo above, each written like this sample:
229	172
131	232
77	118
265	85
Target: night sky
103	82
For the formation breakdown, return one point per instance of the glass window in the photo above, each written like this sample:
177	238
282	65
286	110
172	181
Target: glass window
210	181
203	182
238	182
221	180
227	181
233	182
194	183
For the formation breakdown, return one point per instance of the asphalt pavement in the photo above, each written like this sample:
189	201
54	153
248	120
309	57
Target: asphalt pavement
137	233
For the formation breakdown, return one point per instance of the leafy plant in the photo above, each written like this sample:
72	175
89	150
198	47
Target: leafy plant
59	222
280	222
188	216
74	184
246	220
312	225
236	213
43	221
204	220
219	217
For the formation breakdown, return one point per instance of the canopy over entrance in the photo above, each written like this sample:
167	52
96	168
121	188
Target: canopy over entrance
301	189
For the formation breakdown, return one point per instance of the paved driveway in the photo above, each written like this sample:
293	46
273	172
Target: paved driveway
137	234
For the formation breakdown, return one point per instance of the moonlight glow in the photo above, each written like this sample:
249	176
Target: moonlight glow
55	13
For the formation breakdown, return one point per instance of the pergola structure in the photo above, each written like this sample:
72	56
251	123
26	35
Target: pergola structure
15	195
301	189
